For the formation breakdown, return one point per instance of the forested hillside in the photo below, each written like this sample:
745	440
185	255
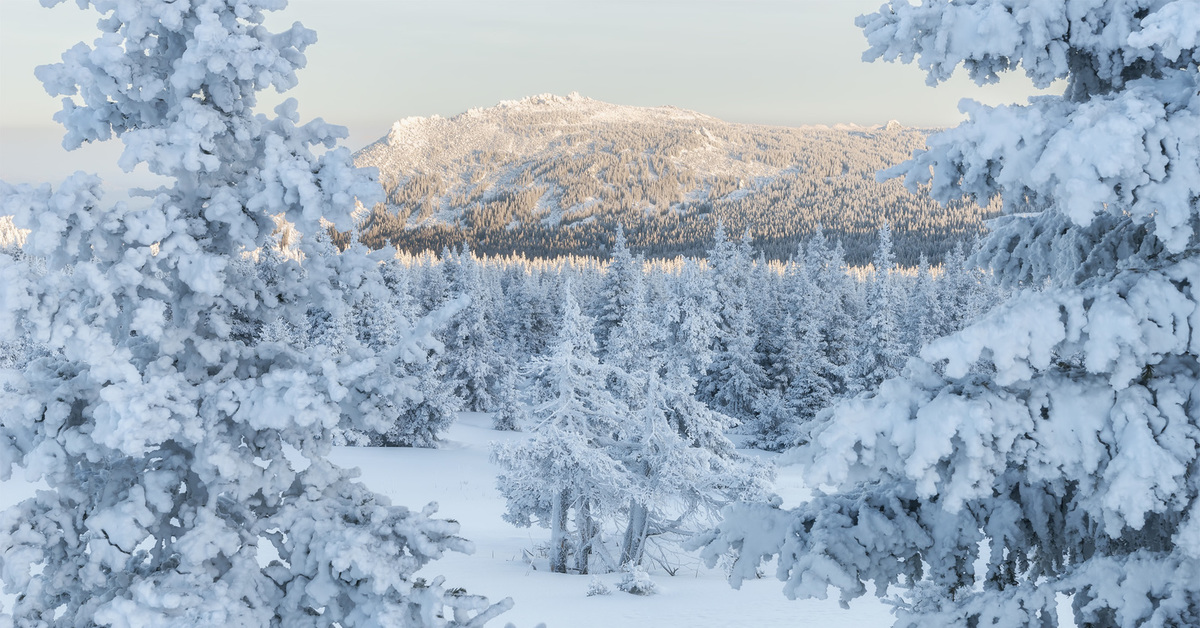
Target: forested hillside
550	175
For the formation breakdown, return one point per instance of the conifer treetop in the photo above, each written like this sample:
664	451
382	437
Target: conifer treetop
1129	110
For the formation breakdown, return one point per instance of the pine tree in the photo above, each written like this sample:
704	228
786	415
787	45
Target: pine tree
879	353
622	290
473	356
177	446
1054	441
924	315
696	326
566	470
735	378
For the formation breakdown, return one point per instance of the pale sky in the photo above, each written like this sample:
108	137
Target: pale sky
784	62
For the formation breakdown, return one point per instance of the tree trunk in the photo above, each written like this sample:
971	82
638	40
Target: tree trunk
635	534
559	541
587	534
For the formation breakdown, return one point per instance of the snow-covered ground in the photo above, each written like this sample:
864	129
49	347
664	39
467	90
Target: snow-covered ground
459	477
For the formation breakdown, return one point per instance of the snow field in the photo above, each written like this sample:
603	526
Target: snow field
459	477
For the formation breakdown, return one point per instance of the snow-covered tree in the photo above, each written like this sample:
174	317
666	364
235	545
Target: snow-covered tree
382	315
528	315
803	370
1054	442
18	347
774	323
924	315
430	285
679	464
838	302
811	375
186	458
735	378
965	292
428	405
695	324
473	349
622	290
512	413
880	350
633	338
566	470
776	424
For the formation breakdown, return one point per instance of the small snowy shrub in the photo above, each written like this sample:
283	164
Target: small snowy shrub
509	418
597	587
636	581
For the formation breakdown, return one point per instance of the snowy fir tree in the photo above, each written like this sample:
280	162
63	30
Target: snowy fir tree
803	371
1051	448
529	315
632	338
622	291
427	403
964	292
512	414
386	324
187	459
924	315
840	307
773	318
694	319
880	349
679	464
735	378
473	349
565	472
643	456
810	373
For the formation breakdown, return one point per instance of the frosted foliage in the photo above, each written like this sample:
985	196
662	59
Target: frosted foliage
734	377
475	362
565	473
647	457
1125	140
1053	446
182	432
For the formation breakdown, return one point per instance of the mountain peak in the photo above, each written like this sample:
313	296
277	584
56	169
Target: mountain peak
546	99
550	174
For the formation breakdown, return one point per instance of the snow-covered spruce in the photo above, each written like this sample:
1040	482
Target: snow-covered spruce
184	445
681	466
734	378
564	478
620	444
880	351
474	359
1057	439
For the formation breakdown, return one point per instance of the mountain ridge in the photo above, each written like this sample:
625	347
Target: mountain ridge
549	175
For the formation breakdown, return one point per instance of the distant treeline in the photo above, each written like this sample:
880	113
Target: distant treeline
665	237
